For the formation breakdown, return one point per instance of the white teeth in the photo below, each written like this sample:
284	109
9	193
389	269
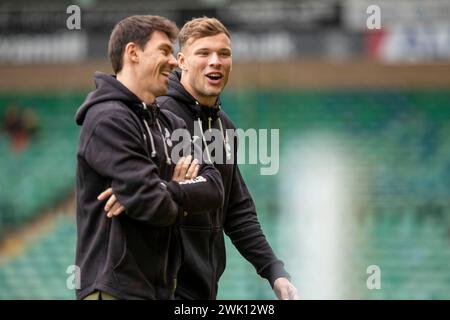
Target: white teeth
214	76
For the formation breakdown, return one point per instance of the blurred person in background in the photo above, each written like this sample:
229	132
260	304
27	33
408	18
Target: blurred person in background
205	60
123	144
20	126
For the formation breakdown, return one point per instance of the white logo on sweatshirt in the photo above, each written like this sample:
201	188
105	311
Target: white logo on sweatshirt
196	180
168	141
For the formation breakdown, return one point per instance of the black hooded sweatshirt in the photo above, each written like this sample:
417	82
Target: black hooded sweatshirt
126	145
202	236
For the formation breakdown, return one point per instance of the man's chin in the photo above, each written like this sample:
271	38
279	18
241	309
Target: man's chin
213	92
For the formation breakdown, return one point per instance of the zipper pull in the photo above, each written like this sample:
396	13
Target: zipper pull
209	122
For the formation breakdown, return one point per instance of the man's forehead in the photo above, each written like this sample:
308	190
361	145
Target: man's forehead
160	38
209	42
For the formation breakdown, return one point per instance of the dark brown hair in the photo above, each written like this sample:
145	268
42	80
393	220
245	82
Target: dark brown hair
199	28
137	29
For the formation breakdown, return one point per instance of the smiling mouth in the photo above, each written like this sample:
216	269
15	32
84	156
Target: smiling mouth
214	76
165	73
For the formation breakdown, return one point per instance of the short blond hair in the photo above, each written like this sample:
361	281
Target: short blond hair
199	28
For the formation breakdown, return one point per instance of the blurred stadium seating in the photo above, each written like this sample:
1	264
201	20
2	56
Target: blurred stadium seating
42	174
307	68
404	228
39	272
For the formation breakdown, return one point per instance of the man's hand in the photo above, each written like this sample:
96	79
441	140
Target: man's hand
186	169
113	207
285	290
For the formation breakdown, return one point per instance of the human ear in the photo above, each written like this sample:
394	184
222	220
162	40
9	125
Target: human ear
181	61
131	52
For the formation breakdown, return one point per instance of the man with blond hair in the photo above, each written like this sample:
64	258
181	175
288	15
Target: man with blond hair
205	60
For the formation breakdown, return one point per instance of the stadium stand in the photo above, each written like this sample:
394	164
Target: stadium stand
404	226
43	173
39	272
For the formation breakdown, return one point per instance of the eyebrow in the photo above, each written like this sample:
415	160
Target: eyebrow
228	50
201	49
166	46
209	49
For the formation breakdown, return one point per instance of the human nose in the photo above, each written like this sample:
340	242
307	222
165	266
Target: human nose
214	60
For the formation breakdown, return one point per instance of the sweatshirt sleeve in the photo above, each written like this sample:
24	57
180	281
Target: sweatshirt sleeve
115	150
203	194
244	230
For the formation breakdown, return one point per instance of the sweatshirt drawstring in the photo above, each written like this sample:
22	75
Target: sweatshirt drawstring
164	143
152	143
225	140
203	139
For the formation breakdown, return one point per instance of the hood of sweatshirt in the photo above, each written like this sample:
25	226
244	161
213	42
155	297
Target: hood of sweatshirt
109	88
178	92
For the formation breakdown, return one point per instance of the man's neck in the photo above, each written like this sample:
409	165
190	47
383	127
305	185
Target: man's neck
129	81
206	101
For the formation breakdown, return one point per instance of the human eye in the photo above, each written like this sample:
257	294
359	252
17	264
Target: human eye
165	50
202	53
225	53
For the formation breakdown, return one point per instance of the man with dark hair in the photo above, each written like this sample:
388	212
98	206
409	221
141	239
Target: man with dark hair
205	61
125	144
